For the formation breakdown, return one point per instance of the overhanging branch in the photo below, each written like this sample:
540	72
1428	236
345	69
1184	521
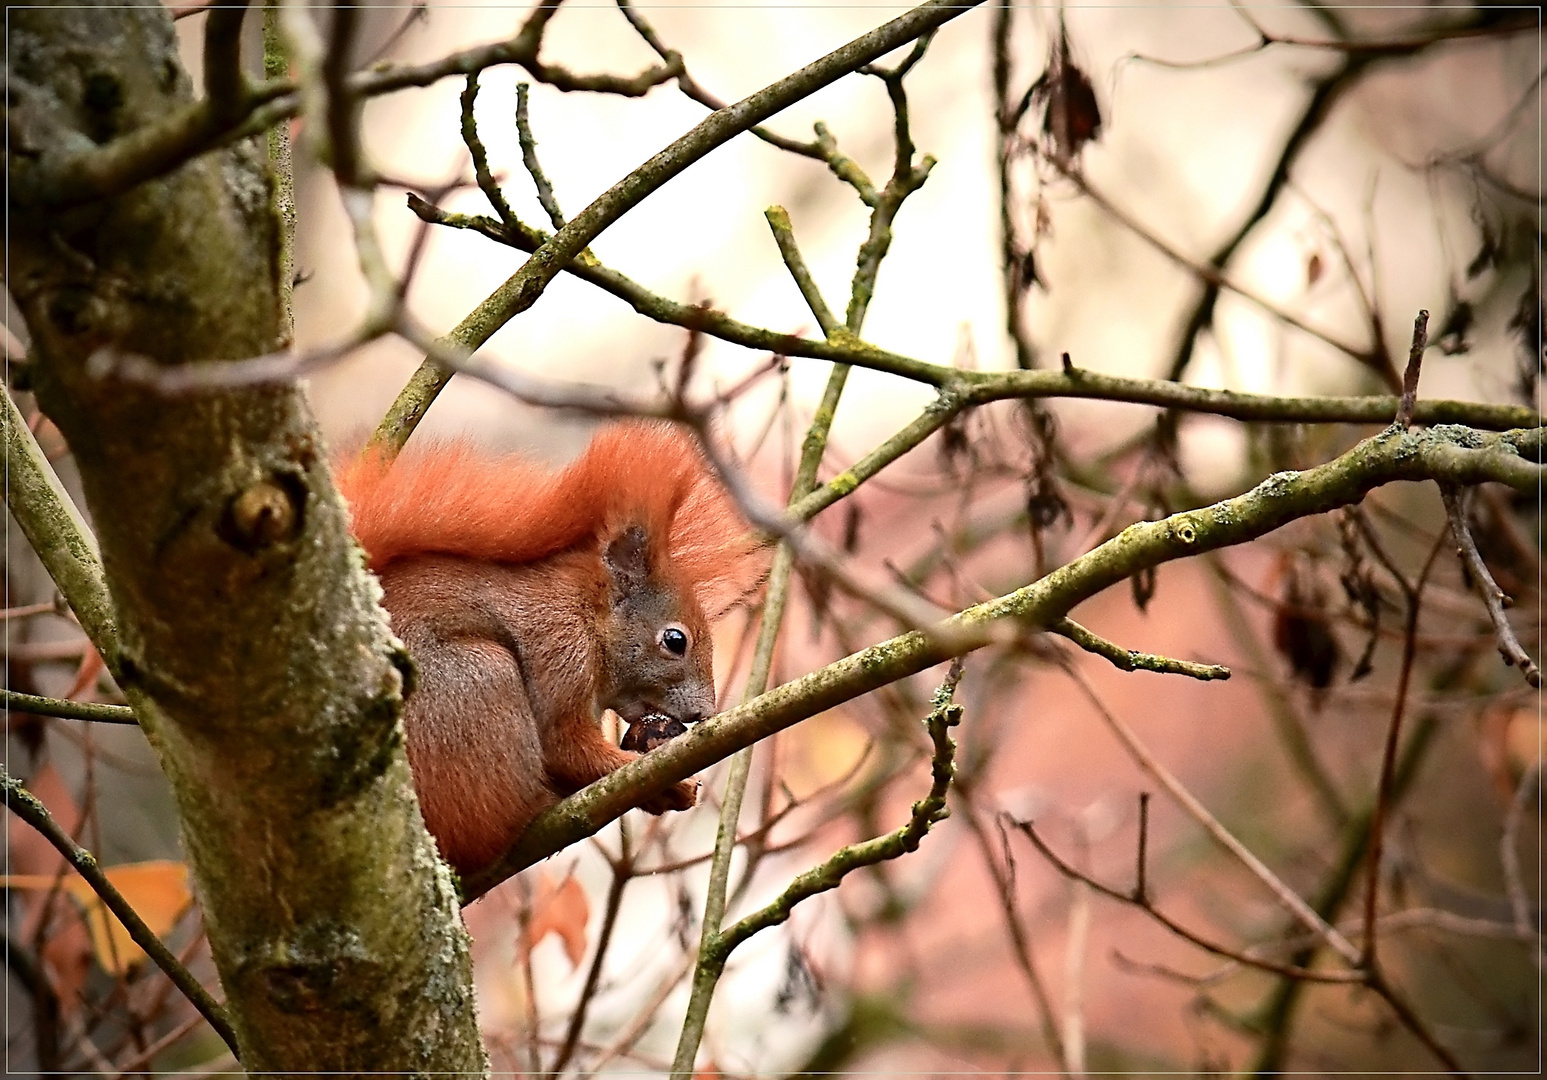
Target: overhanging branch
980	387
1449	454
521	290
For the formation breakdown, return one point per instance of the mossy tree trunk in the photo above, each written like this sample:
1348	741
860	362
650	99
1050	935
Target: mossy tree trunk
249	640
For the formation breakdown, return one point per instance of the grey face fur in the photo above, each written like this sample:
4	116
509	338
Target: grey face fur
646	666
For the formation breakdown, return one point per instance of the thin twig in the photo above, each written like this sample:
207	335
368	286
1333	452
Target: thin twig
545	196
149	1053
1075	942
1141	869
418	12
1494	598
1287	970
1015	928
1410	374
622	873
784	235
27	968
1288	724
1130	660
1376	980
67	710
1290	899
1326	91
1213	277
1429	918
1509	852
926	813
486	181
1385	790
26	806
179	13
342	113
522	289
225	87
690	87
27	611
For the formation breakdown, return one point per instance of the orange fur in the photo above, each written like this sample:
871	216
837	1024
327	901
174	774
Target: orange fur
453	498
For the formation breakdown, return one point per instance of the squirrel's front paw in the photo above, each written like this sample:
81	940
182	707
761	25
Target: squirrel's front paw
682	795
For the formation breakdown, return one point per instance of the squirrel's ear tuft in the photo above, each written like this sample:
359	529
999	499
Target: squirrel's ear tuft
627	558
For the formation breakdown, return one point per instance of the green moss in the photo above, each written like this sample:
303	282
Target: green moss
361	749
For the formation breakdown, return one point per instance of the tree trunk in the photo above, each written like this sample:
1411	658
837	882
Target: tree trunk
249	642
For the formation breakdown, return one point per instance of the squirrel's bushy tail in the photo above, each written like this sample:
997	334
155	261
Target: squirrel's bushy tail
451	498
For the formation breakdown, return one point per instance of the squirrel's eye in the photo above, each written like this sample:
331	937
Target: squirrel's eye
674	640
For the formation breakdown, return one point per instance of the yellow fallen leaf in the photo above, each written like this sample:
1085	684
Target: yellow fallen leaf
156	890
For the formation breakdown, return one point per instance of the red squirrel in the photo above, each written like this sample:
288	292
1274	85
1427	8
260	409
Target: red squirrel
533	599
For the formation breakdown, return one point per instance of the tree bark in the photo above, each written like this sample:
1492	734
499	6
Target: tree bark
250	642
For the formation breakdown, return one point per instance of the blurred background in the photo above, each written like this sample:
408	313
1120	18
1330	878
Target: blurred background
1341	168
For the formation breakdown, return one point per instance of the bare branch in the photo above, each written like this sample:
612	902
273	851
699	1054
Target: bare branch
1213	276
693	90
545	196
1129	660
827	876
26	806
67	710
1410	374
1290	899
926	813
1387	783
1509	853
486	182
1326	92
523	288
1015	929
784	236
1494	598
1245	959
974	387
1389	456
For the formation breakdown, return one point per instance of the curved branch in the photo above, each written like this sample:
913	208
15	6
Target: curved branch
926	813
1451	454
689	86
